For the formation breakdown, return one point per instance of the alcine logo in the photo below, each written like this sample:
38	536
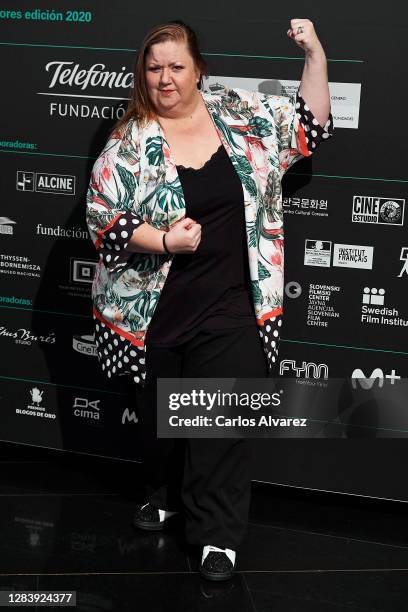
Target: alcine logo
404	258
375	379
44	182
374	209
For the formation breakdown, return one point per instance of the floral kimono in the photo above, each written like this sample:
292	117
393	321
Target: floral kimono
135	180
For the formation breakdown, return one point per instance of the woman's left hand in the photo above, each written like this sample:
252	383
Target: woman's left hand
303	33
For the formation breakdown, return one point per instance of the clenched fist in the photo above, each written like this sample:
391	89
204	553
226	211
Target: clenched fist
184	236
303	33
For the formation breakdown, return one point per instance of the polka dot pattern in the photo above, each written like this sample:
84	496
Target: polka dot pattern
315	132
269	334
117	355
112	250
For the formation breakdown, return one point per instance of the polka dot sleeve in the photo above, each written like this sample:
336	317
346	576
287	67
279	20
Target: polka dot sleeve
113	243
313	133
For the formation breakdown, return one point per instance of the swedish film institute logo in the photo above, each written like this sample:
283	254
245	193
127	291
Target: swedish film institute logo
382	211
44	182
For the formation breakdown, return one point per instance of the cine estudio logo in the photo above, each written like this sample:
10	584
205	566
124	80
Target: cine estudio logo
378	210
375	379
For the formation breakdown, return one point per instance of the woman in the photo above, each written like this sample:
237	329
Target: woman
184	205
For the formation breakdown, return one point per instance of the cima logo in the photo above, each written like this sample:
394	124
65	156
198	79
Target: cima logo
86	409
376	378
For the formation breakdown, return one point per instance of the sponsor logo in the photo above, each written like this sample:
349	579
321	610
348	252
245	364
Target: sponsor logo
404	258
317	253
86	409
71	81
18	265
6	226
35	408
36	396
64	232
85	345
374	209
129	417
305	370
45	182
376	378
293	289
353	256
373	296
25	181
374	312
305	207
24	336
82	271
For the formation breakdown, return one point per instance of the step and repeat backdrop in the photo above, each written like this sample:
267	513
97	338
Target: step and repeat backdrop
65	80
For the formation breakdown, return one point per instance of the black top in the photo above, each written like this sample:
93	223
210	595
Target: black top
210	288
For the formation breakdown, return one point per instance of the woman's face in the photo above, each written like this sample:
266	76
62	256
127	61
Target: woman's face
171	76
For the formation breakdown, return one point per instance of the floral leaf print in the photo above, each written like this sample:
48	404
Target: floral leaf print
244	169
259	126
262	271
170	195
127	150
129	183
154	152
256	292
141	304
252	234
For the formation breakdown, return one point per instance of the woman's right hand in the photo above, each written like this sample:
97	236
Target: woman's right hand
184	236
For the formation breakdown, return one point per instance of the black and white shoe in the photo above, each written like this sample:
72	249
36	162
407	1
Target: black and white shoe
151	518
217	563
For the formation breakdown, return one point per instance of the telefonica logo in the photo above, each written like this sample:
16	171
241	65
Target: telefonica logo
376	378
71	80
71	74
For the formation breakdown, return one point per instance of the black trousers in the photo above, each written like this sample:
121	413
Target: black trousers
209	479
